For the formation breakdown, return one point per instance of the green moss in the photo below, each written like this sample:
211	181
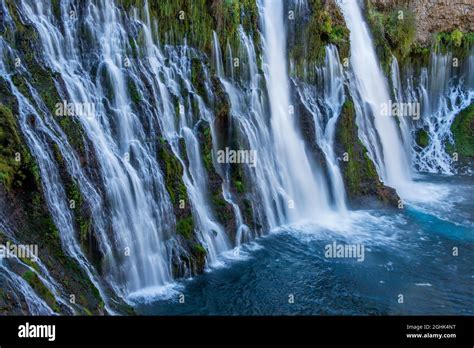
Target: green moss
185	227
239	186
358	170
195	21
26	41
17	166
457	37
56	8
221	208
32	278
31	263
393	33
312	33
400	31
207	149
197	77
134	93
173	172
422	138
200	249
419	55
248	213
456	41
199	253
463	132
81	215
9	140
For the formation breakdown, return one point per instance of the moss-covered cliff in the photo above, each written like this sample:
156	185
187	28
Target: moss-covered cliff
463	134
311	29
360	176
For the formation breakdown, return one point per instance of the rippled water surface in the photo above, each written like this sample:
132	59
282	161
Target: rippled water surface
407	253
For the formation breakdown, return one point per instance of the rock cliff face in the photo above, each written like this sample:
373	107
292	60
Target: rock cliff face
206	92
433	16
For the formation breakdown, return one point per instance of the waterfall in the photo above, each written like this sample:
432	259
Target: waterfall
248	111
138	211
369	89
325	106
38	132
442	91
143	98
177	74
305	192
18	286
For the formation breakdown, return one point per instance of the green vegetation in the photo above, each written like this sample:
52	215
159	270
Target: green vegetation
133	91
173	172
222	208
239	186
358	167
200	249
81	214
207	148
422	138
26	41
17	167
312	34
185	227
35	282
360	175
9	140
456	41
463	132
197	74
199	253
393	33
194	21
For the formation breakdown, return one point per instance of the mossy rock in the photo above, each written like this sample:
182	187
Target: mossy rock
193	22
393	33
34	281
311	32
359	172
463	132
456	41
185	227
199	253
173	173
223	210
422	138
17	167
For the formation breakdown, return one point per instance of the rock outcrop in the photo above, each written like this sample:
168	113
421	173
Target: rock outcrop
432	16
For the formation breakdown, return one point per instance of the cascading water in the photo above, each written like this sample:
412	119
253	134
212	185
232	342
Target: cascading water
178	73
325	106
132	212
378	132
300	178
133	227
20	288
268	189
37	134
10	280
140	217
442	91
